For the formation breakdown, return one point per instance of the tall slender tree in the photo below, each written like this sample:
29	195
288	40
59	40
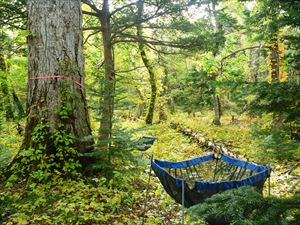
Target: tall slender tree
147	64
116	27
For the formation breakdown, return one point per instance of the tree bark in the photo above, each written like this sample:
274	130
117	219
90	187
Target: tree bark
274	61
217	109
56	70
217	102
109	81
152	79
146	61
254	65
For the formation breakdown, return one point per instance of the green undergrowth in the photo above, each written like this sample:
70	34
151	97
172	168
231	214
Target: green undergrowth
59	199
257	139
119	198
69	201
254	138
9	142
232	136
170	144
245	206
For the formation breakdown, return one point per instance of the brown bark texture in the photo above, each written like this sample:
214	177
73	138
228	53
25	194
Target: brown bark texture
55	92
146	61
217	109
274	61
107	103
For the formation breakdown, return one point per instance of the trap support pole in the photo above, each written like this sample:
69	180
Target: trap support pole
147	192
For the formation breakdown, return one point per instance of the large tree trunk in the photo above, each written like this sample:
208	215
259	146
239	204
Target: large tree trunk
146	61
55	93
109	81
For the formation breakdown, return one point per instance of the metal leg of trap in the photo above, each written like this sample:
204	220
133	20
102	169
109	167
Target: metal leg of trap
269	183
147	193
269	186
182	199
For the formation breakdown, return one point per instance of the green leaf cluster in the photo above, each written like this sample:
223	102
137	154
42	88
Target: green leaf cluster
48	155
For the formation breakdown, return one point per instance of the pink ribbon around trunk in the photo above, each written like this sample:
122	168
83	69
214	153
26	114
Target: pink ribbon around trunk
57	76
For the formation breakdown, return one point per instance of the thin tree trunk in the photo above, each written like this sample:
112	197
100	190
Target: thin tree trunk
152	79
217	102
6	104
56	70
254	65
274	61
18	103
146	61
217	109
141	106
109	81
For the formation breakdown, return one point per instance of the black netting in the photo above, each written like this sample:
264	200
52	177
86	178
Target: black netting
213	170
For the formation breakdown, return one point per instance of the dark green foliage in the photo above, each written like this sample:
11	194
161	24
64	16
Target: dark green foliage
274	17
10	104
13	13
245	206
66	201
196	92
278	106
279	98
277	14
48	155
276	142
113	155
199	36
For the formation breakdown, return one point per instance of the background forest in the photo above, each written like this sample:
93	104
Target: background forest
71	146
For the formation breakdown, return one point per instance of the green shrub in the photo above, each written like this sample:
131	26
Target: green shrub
245	206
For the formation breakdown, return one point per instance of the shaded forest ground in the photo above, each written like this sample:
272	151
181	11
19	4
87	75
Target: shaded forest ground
120	199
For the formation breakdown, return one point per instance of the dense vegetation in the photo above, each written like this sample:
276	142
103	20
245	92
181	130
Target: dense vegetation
70	129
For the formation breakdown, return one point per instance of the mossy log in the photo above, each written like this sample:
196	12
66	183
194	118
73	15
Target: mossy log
203	141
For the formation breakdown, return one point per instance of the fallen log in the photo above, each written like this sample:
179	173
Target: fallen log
208	145
203	141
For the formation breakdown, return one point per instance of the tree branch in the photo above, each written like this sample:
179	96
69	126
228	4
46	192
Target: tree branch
90	35
149	40
90	13
91	28
130	70
121	8
162	43
244	49
240	50
93	7
12	25
165	52
120	29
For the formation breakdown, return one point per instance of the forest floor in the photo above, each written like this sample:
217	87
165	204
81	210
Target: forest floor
120	200
171	145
